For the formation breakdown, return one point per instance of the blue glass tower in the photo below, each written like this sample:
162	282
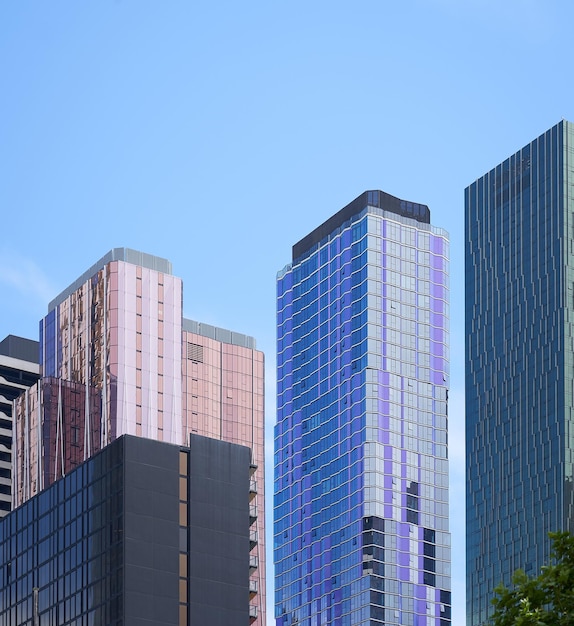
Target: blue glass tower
520	375
361	470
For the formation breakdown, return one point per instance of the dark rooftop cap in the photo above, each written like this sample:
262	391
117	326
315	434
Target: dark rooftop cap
376	198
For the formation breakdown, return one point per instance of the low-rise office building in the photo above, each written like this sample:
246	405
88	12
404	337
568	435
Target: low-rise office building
144	533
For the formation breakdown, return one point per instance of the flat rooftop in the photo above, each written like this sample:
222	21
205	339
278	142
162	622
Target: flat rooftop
219	334
20	348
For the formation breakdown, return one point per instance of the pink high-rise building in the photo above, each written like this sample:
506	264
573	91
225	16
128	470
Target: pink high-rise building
223	393
118	357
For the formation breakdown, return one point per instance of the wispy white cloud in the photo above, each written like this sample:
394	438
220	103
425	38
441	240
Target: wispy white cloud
25	276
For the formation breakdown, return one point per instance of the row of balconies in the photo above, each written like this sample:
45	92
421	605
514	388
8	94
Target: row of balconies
253	583
253	540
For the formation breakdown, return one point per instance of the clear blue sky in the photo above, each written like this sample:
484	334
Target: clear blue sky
217	134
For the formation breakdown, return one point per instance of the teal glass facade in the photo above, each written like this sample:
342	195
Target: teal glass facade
361	471
519	249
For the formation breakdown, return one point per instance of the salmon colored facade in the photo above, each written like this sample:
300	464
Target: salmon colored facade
117	357
223	398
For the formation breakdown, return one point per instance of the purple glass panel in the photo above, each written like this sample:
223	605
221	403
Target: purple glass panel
436	334
436	262
437	349
438	364
437	245
437	277
436	305
404	573
437	320
437	378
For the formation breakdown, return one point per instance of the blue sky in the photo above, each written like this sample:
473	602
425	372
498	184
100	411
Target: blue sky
217	134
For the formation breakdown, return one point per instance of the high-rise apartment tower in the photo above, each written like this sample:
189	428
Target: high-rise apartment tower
118	357
519	249
361	469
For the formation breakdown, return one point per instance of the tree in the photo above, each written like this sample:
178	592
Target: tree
548	599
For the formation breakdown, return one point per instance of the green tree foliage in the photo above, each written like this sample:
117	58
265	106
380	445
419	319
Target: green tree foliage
547	600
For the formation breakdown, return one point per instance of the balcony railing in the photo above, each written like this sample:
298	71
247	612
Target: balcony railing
252	489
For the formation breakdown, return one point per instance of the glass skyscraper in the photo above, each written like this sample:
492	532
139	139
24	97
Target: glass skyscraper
520	351
361	468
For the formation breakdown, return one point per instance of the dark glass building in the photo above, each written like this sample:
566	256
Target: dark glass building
361	465
519	249
144	533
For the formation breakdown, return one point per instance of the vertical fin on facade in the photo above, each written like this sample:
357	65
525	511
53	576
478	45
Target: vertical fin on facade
26	446
59	449
39	472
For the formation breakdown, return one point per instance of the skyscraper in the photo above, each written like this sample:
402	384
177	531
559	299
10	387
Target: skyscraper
361	468
118	357
519	249
19	370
